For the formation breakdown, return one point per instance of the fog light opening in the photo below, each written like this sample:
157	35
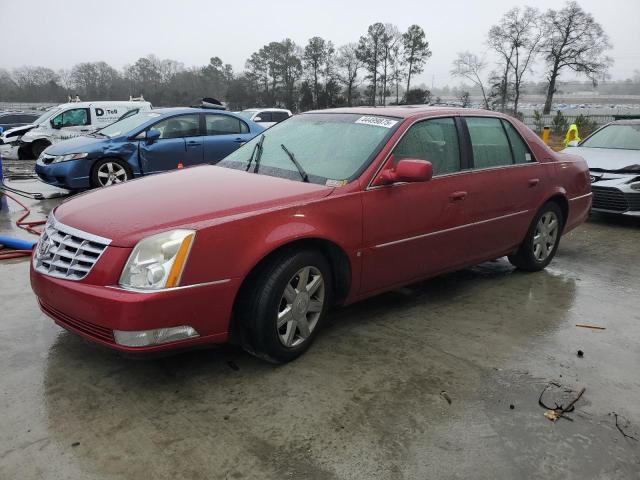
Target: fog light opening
145	338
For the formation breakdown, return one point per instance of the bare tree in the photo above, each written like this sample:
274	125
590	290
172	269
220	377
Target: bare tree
517	37
397	68
501	81
468	65
416	51
349	64
572	40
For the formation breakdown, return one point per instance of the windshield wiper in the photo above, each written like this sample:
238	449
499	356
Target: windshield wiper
258	147
303	174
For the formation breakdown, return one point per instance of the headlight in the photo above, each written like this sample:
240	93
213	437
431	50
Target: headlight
157	261
635	185
70	156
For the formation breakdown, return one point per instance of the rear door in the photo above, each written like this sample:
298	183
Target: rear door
507	185
223	135
180	143
412	230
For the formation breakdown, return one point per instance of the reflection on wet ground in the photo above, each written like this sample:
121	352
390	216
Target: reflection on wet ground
366	401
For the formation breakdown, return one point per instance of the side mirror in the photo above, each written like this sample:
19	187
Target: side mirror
152	136
53	125
573	143
407	170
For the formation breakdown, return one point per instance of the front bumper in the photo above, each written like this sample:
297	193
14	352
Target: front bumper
621	201
72	175
95	311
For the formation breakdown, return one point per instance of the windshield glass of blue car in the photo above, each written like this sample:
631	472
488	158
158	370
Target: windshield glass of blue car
128	124
329	148
622	137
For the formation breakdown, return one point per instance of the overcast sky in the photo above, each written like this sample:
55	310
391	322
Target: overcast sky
60	34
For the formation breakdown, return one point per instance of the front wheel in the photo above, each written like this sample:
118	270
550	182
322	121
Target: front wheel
541	243
281	310
37	148
109	171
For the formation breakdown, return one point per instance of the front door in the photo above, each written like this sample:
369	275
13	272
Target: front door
179	144
412	230
223	135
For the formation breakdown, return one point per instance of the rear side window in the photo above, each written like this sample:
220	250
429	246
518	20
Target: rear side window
224	125
177	127
521	152
489	142
279	116
9	119
263	117
433	140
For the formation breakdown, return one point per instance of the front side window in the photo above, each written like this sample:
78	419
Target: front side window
224	125
434	140
624	137
328	146
178	127
489	142
72	118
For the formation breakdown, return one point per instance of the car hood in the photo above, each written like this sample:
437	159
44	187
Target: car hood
609	159
195	198
16	131
76	145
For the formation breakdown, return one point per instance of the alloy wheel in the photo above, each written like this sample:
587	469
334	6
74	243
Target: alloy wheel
110	173
545	236
300	306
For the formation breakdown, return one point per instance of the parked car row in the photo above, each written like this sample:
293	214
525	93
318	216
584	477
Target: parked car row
322	209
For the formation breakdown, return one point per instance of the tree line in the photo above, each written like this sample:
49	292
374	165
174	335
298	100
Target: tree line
378	69
568	39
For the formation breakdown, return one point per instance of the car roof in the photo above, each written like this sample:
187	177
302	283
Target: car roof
410	111
266	110
628	121
167	110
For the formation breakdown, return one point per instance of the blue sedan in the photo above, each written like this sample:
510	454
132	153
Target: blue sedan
142	144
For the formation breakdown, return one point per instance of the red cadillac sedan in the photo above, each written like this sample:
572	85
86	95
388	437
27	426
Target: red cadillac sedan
325	208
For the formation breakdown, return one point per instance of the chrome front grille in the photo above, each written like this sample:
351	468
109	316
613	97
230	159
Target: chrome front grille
65	252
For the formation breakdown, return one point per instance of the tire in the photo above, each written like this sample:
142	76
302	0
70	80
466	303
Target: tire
37	148
278	320
541	242
109	171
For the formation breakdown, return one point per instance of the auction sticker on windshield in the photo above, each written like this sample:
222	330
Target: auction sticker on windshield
376	121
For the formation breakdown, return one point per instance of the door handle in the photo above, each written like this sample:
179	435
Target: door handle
193	144
240	140
456	196
533	182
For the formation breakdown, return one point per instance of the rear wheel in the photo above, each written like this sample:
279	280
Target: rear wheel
110	171
281	310
541	243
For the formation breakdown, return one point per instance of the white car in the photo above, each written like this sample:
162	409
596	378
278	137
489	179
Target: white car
613	156
66	121
267	117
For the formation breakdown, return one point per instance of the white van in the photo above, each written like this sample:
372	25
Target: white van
66	121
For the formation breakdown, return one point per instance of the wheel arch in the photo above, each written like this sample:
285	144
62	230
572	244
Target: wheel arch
338	259
561	199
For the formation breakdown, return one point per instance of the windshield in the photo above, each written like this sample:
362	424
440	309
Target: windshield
48	114
331	148
127	124
247	114
624	137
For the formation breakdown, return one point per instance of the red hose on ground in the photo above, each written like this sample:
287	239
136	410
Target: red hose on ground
20	223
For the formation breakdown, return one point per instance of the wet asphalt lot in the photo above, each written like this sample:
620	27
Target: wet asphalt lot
366	401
